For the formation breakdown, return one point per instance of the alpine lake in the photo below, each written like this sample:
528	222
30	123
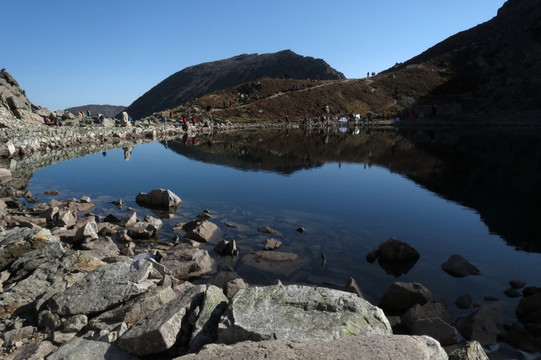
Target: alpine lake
473	191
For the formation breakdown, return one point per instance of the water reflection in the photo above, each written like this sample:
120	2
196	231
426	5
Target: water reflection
496	171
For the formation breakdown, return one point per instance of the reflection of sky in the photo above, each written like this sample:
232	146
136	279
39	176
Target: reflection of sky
361	205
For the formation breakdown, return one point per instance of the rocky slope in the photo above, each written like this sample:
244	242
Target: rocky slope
197	80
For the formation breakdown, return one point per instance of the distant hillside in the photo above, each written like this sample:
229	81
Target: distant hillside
194	81
107	110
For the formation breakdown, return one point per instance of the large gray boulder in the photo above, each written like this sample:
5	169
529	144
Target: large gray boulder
106	287
298	312
381	347
159	331
159	198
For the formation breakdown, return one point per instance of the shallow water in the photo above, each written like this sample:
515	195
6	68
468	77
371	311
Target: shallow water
350	192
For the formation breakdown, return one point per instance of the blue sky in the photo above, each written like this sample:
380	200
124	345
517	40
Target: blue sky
67	53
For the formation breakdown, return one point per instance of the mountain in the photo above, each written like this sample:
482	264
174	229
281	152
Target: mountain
491	72
194	81
107	110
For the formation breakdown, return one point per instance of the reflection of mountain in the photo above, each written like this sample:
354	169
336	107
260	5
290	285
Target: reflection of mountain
494	171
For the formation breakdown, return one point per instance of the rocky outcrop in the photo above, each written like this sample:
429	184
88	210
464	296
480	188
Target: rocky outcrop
14	103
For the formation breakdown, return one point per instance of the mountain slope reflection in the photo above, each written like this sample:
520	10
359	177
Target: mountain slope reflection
495	171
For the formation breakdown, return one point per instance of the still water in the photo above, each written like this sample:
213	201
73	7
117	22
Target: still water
350	192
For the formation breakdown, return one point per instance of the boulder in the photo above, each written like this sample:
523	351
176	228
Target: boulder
267	230
87	232
470	350
143	230
201	231
463	301
66	218
18	241
274	255
528	309
520	338
402	296
227	248
158	198
437	329
484	325
160	330
206	327
82	349
424	312
233	286
457	266
186	262
382	347
134	310
42	273
394	250
272	244
129	221
352	287
298	312
107	286
33	351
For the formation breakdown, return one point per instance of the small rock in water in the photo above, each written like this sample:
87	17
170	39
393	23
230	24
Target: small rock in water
231	225
512	293
85	199
267	230
51	192
301	229
457	266
272	244
463	301
118	203
517	284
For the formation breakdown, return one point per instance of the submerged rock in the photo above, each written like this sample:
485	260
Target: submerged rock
457	266
298	312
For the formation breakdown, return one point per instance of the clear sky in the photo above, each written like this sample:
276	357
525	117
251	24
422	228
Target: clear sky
67	53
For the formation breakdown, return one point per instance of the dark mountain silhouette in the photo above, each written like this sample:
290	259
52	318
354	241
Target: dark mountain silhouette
107	110
194	81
